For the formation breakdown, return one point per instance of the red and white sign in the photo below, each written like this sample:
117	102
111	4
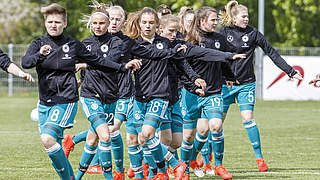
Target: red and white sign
276	83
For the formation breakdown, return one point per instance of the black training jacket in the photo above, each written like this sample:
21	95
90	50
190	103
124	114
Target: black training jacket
56	77
151	80
245	40
4	61
133	48
210	69
102	84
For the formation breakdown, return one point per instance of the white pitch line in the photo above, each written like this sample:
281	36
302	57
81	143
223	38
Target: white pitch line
280	173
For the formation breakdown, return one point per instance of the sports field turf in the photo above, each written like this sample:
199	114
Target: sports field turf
289	132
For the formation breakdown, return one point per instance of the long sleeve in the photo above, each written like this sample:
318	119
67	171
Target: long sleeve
4	61
32	56
208	54
104	62
274	55
185	67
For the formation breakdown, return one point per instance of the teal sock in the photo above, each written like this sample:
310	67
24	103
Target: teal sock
117	149
59	161
105	159
253	133
210	143
148	159
157	152
174	152
135	156
95	160
80	137
198	143
205	153
218	147
185	153
169	157
87	155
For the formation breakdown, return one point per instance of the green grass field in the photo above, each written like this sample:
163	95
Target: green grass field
289	132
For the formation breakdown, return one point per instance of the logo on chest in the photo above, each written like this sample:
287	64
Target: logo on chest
159	45
245	39
66	50
104	48
217	45
229	38
88	48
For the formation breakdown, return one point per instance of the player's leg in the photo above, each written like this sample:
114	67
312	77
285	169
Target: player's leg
214	110
134	149
246	101
52	122
157	114
69	141
121	111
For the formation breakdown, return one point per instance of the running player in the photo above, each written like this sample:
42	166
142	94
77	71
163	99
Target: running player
54	56
244	39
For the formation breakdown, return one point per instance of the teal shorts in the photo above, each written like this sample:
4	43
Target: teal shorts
123	107
152	113
244	94
54	119
195	107
97	112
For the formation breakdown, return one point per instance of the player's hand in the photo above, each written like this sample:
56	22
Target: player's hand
239	56
182	47
201	83
231	83
297	76
200	92
134	64
45	50
80	66
26	76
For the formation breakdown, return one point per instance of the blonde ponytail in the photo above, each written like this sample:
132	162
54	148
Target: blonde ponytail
231	10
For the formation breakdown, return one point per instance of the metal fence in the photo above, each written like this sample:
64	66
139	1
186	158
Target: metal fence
10	85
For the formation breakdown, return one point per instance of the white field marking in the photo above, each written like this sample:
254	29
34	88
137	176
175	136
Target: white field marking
279	173
33	169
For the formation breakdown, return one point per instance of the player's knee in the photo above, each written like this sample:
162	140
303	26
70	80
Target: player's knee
141	139
215	125
175	144
116	126
188	137
105	137
148	132
166	140
204	131
132	140
47	140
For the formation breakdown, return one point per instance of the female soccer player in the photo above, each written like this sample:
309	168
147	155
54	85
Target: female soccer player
186	16
99	93
152	92
244	39
54	56
210	106
10	67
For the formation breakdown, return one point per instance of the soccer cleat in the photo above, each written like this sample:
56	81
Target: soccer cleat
145	170
208	169
118	175
186	177
179	170
130	173
221	171
196	169
170	173
200	161
68	144
95	169
137	179
210	158
262	165
162	176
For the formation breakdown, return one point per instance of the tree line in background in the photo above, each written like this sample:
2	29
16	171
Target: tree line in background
287	23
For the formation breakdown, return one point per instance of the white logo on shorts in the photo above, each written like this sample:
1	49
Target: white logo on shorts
183	112
94	106
159	46
137	116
